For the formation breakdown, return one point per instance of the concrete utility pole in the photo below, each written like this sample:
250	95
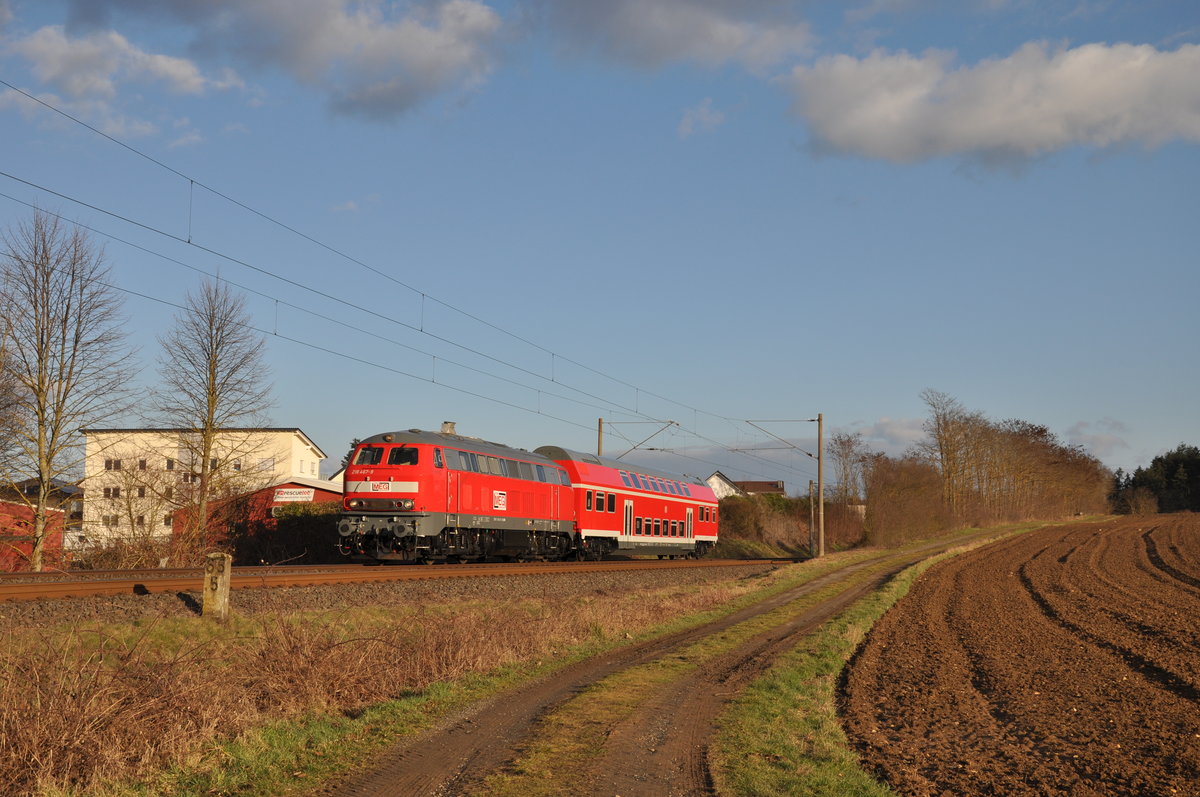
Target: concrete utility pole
812	520
599	437
821	482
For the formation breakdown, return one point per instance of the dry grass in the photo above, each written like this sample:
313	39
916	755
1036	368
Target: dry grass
78	709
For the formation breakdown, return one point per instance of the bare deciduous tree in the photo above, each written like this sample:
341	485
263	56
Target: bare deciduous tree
847	451
67	359
213	380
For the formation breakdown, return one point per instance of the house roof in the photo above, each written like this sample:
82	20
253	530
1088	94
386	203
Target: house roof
181	430
762	487
303	481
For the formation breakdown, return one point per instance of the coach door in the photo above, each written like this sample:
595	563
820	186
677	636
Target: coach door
689	522
628	517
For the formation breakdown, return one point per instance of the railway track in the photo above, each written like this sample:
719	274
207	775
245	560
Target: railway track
42	586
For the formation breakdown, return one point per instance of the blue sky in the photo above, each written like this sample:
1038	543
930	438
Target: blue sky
526	215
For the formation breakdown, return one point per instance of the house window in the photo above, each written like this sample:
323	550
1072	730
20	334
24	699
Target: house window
169	493
212	464
167	521
191	478
170	464
112	464
141	464
112	492
269	463
141	521
141	492
237	464
109	520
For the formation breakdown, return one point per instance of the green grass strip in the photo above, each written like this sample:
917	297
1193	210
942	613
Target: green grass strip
782	735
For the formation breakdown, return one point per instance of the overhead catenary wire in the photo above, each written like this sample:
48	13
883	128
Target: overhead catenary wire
420	328
193	183
240	262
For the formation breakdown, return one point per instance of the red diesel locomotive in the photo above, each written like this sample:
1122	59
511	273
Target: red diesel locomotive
438	496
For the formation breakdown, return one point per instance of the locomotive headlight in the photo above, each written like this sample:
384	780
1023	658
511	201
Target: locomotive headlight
354	503
405	503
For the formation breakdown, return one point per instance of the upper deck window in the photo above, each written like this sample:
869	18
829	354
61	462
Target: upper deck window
625	478
402	455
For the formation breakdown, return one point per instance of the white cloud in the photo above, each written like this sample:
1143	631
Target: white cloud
98	113
1102	438
372	59
902	107
892	436
754	33
89	66
349	206
188	139
700	118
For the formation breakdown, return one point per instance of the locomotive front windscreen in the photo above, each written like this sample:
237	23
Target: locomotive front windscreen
398	455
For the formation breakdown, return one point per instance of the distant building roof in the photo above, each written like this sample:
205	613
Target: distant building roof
759	488
722	485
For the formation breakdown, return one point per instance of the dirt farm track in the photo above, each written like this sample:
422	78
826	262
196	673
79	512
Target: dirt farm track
1064	661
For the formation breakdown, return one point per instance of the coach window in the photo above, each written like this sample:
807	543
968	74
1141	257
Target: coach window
686	491
625	478
612	502
637	525
541	473
587	500
369	455
599	501
657	527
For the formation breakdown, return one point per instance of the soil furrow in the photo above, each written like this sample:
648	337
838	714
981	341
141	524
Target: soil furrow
1055	699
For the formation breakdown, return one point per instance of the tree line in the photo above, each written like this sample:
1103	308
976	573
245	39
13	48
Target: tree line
968	471
1171	483
66	364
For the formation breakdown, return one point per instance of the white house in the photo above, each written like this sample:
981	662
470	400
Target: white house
135	479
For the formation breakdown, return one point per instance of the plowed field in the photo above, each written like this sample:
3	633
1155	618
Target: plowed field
1065	661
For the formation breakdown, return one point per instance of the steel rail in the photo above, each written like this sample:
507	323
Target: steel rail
266	577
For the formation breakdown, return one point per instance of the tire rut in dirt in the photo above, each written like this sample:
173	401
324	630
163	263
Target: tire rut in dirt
662	750
458	755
